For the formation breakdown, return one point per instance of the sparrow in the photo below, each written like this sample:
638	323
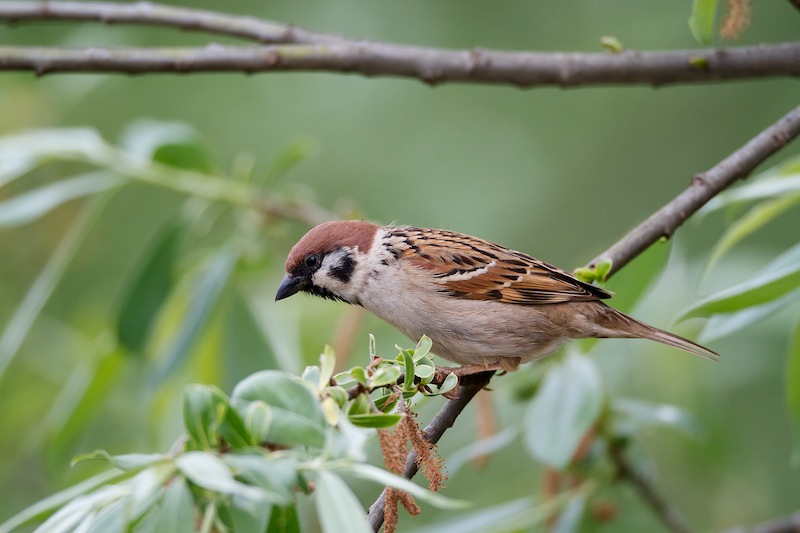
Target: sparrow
484	306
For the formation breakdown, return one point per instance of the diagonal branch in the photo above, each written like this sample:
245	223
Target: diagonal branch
666	220
704	187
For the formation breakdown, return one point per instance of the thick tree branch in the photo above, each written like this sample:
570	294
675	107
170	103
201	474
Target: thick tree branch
304	50
431	65
443	420
703	188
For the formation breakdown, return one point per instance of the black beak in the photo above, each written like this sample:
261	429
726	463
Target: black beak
289	286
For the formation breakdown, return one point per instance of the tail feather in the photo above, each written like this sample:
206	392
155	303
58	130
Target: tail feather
619	325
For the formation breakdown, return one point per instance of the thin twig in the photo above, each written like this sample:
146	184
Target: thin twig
443	420
151	14
703	188
431	65
665	513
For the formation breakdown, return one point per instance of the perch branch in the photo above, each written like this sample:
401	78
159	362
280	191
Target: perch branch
443	420
784	524
704	187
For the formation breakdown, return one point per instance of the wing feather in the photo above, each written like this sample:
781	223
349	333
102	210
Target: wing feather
472	268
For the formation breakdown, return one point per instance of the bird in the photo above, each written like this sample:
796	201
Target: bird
484	306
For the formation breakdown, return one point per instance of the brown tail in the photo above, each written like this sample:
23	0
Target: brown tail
615	324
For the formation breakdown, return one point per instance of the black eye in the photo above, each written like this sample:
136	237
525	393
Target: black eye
311	261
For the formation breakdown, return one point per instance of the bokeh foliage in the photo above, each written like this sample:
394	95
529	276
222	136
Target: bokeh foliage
139	258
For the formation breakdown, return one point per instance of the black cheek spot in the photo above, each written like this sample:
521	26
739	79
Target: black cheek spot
344	270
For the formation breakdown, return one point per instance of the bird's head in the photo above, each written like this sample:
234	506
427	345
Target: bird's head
324	260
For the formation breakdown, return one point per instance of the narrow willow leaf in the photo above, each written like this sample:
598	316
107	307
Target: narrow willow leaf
375	420
408	364
338	508
565	407
774	187
149	290
701	21
36	203
45	507
722	325
327	363
385	478
771	284
569	520
23	318
207	290
284	520
748	224
630	416
127	462
20	153
210	472
176	513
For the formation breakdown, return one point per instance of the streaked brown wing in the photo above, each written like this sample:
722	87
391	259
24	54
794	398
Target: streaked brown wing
472	268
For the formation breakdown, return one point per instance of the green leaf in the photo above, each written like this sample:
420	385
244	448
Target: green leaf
204	408
567	404
146	295
375	420
257	420
701	21
176	513
327	363
408	365
722	325
384	478
748	224
630	416
793	385
44	507
295	153
210	472
36	203
127	462
338	508
781	276
277	476
449	383
297	418
385	375
284	520
775	187
246	514
21	153
569	521
23	318
209	286
423	348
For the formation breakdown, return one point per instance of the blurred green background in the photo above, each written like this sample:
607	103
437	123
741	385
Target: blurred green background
560	174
